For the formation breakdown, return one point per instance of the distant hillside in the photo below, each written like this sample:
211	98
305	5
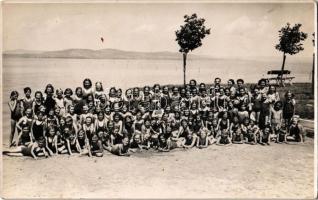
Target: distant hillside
98	54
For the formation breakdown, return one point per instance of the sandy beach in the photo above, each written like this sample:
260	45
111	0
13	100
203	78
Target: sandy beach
237	171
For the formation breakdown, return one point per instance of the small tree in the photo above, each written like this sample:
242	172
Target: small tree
189	37
290	42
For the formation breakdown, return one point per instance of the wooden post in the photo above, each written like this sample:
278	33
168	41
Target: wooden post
282	72
184	68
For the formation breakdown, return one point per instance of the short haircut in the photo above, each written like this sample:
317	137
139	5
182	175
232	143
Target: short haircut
26	89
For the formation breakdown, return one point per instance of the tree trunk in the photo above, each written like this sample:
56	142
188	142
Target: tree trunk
184	68
282	71
313	75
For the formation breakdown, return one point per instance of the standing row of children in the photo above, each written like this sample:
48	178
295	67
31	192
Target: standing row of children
94	120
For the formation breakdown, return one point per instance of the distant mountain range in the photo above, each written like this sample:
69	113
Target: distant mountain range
99	54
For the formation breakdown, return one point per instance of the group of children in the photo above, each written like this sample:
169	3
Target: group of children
94	120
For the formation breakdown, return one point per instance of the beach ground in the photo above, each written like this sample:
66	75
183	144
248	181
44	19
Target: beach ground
236	171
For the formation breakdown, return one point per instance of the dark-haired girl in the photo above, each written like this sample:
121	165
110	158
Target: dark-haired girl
27	101
37	127
78	100
37	103
60	101
68	100
49	101
25	121
16	113
288	107
87	88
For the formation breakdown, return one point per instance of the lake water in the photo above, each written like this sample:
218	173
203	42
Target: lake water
36	73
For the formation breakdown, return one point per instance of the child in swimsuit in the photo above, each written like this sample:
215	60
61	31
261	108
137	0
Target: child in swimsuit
83	143
276	117
51	139
68	100
237	137
288	108
25	121
16	113
60	101
250	137
265	136
38	127
24	137
96	146
190	140
136	143
98	92
84	115
282	134
224	138
87	88
100	122
38	102
35	149
203	139
89	128
27	101
296	131
164	144
78	100
120	149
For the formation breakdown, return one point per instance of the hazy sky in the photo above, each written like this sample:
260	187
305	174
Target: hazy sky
237	30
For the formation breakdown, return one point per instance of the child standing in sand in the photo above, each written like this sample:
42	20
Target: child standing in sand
276	117
27	101
68	100
288	107
16	113
78	100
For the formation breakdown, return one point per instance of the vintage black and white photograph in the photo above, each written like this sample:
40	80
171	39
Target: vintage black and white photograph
158	99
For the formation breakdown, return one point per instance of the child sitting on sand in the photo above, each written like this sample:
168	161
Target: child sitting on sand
83	143
203	140
265	136
35	149
96	146
237	137
296	130
120	149
282	134
51	139
224	138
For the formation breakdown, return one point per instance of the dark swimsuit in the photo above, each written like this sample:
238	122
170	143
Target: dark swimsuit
223	125
295	131
37	130
16	114
101	128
